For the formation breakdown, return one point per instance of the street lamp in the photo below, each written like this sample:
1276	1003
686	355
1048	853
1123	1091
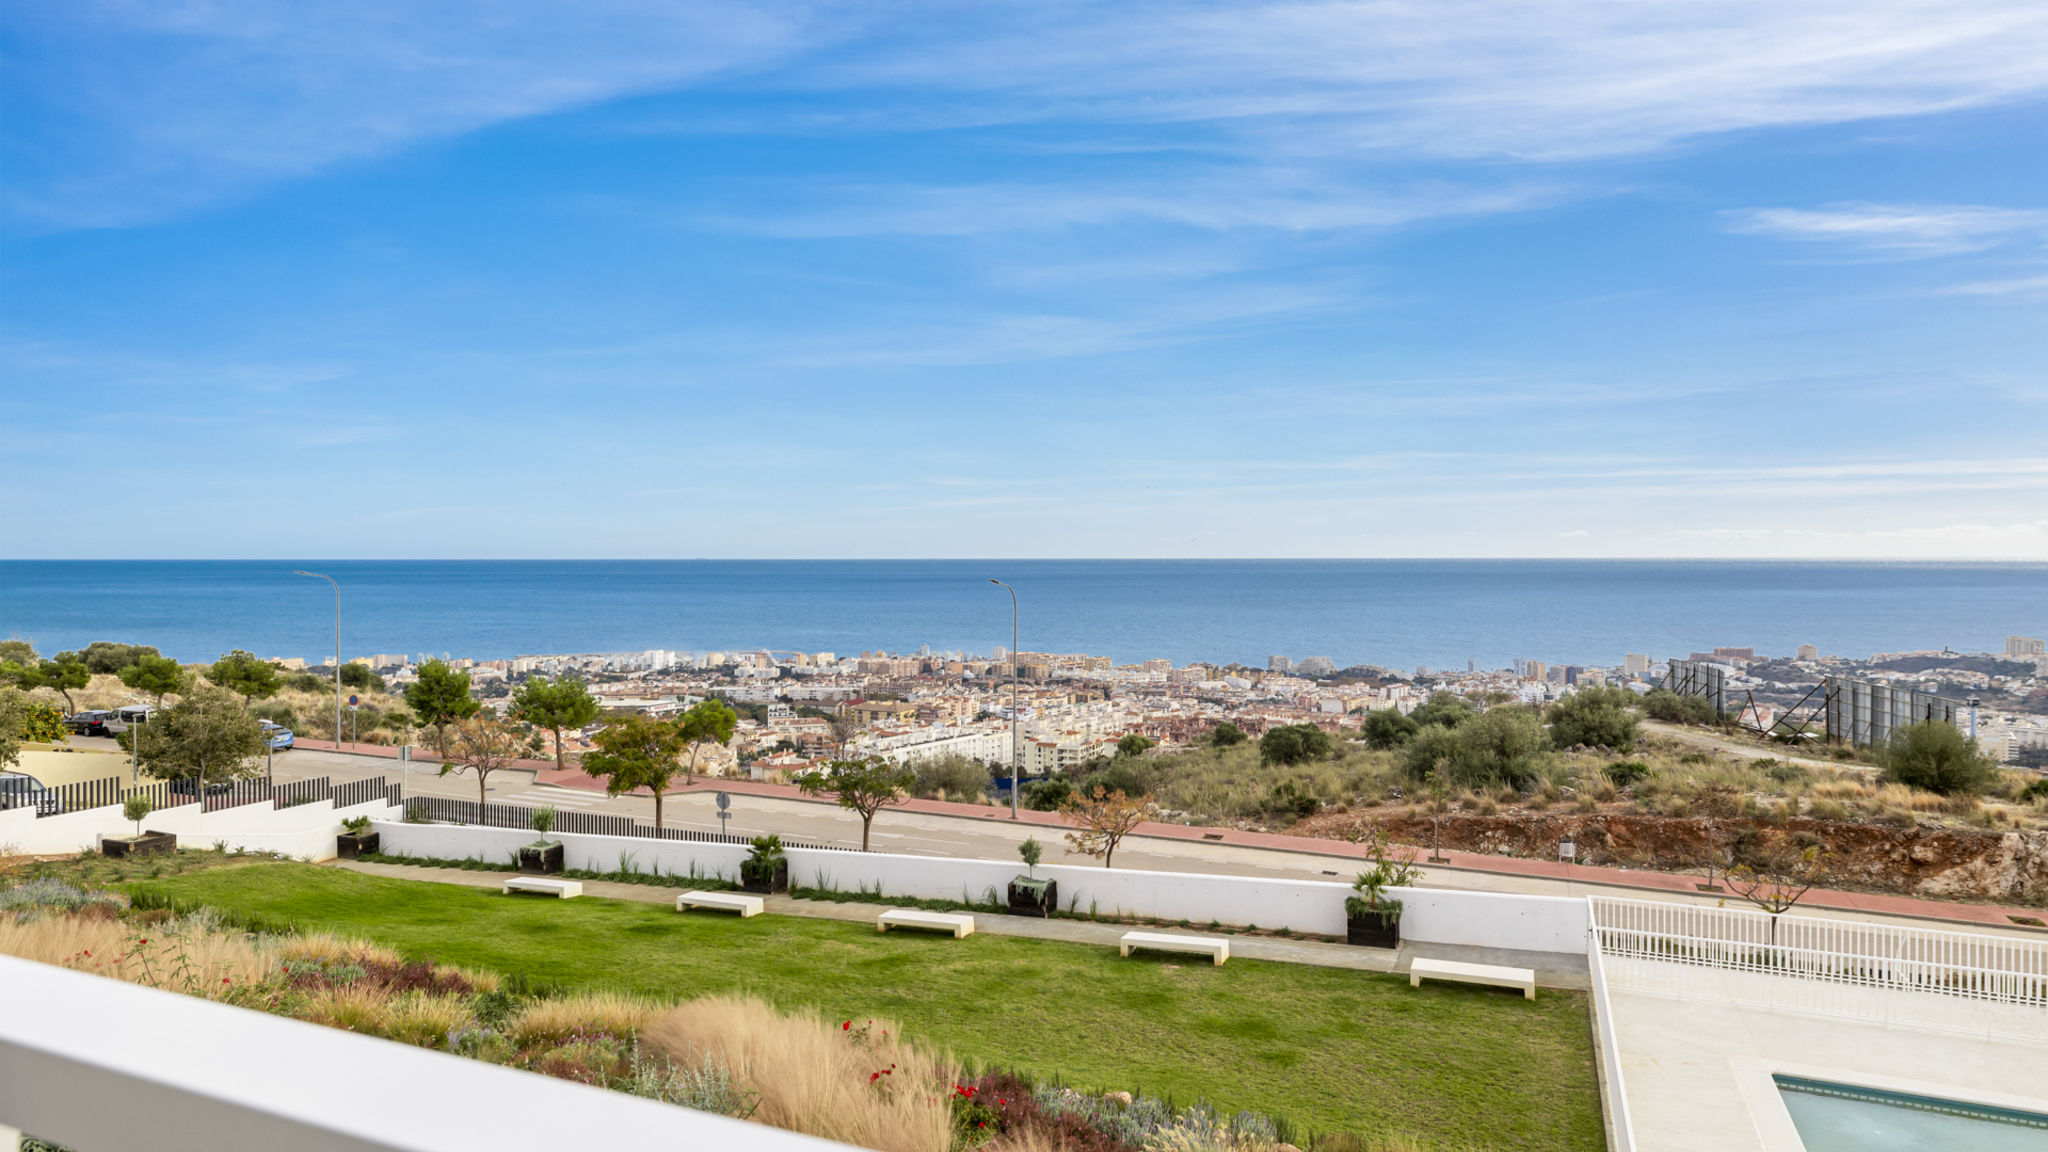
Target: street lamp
337	650
1016	750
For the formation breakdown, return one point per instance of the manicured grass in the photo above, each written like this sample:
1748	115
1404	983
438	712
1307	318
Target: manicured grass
1328	1049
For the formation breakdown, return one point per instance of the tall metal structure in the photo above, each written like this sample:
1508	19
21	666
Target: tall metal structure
1866	712
1698	678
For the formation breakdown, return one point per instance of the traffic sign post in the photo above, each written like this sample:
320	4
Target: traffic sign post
724	812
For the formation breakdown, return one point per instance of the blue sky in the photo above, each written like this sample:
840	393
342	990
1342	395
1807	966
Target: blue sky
1470	278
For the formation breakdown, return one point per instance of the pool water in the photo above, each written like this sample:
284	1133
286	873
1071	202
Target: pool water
1845	1118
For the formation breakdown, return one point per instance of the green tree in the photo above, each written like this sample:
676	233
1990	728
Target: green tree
1294	744
554	705
1668	706
1387	728
1133	745
1503	745
13	705
708	721
440	697
1596	718
106	658
864	786
636	751
1443	709
356	674
18	652
242	673
1936	756
206	735
155	676
940	777
1227	735
65	676
39	722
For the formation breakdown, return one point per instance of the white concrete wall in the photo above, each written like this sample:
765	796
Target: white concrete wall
1483	919
305	830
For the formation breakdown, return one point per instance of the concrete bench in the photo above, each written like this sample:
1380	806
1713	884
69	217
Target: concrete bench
1214	947
1522	978
729	901
542	886
959	924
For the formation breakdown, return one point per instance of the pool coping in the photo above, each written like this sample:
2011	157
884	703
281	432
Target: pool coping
1773	1121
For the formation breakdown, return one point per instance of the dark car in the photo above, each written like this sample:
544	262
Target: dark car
189	786
90	723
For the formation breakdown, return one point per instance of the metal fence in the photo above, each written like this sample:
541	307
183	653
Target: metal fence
1974	966
110	791
448	810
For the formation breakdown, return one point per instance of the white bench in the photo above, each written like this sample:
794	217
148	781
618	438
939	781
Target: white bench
959	924
1522	978
542	886
1214	947
729	901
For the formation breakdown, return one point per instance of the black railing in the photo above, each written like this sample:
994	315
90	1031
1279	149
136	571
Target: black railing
367	791
448	810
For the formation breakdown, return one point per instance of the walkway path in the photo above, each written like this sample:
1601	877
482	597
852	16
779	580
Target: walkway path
1552	970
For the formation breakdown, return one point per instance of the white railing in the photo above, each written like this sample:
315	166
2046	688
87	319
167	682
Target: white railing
1621	1131
1975	966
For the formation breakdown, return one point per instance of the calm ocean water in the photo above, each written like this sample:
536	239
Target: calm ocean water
1400	613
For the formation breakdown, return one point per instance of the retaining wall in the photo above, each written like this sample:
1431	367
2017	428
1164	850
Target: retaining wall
306	831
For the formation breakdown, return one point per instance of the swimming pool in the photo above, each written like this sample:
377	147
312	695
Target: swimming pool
1834	1117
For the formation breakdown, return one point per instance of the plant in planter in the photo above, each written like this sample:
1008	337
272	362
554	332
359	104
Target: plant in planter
765	869
1371	917
136	809
543	856
1030	896
356	839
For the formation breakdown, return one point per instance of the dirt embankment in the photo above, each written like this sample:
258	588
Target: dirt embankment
2009	867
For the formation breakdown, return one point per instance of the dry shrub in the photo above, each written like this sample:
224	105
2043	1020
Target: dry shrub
1839	788
424	1020
1913	799
184	958
1828	810
352	1008
328	950
553	1021
814	1076
477	979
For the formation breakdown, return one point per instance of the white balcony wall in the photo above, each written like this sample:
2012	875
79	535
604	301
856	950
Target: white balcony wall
306	831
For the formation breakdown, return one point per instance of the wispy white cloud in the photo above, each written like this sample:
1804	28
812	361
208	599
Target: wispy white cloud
2017	286
1898	230
149	109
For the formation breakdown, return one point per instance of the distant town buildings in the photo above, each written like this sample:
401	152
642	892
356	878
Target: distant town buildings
2025	647
1807	654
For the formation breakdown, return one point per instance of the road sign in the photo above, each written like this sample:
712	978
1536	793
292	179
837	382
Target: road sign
724	811
405	752
724	801
351	699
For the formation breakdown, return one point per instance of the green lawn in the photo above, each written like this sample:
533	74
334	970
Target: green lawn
1328	1049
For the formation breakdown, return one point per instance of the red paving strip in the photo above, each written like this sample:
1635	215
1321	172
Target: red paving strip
547	773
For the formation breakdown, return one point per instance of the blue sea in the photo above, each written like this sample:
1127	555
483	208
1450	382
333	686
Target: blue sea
1399	613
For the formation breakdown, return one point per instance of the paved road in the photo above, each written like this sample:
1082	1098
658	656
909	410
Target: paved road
990	838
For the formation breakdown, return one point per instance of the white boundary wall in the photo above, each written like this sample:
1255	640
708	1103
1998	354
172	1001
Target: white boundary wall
306	831
1482	919
97	1063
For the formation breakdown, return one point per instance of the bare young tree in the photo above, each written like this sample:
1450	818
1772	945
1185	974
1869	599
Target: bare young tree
1101	821
1715	803
482	745
1781	875
864	786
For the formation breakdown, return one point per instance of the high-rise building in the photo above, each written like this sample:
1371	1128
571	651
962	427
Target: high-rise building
1534	670
2026	647
1636	664
1280	664
1806	652
1316	666
1158	667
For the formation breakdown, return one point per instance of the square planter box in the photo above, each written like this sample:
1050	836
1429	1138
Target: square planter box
1372	932
779	883
147	844
1030	897
354	846
542	859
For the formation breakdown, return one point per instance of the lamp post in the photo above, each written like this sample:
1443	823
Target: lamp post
1016	750
337	649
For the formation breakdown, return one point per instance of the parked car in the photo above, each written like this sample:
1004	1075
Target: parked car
89	723
20	790
129	716
276	737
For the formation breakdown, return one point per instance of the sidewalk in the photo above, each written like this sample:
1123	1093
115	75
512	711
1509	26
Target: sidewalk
1552	970
1626	878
